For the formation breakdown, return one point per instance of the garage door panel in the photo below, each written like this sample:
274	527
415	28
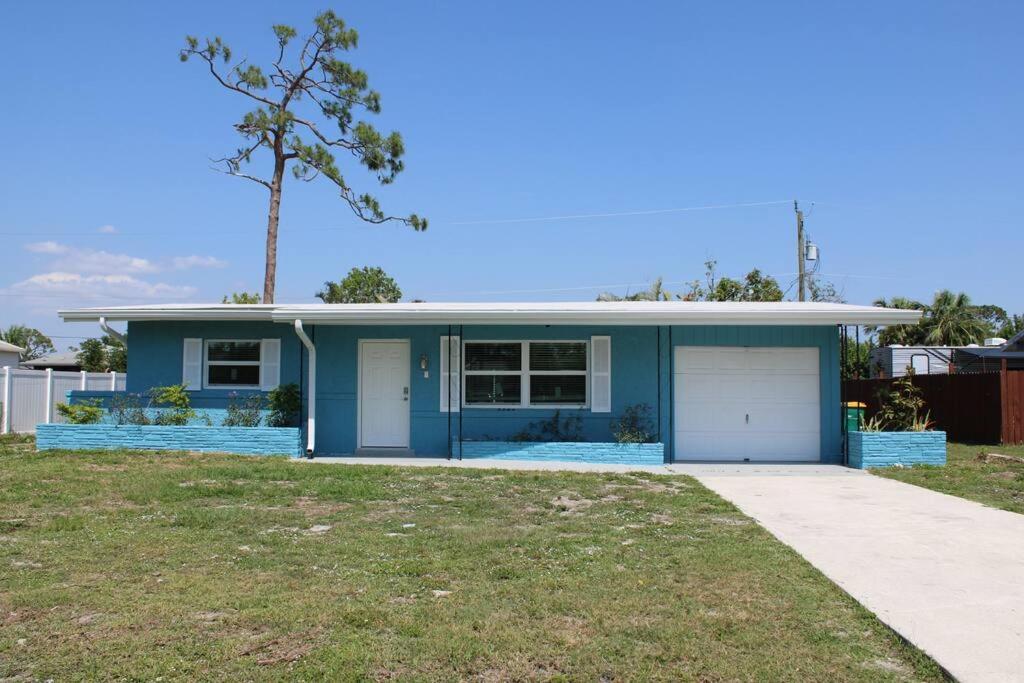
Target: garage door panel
746	403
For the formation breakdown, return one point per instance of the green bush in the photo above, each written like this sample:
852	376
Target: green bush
179	407
86	412
244	412
126	409
556	429
285	404
634	426
901	406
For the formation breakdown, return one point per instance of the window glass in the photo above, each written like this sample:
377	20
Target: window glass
493	389
554	356
558	389
233	351
494	356
234	375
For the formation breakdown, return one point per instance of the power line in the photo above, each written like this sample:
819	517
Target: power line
500	221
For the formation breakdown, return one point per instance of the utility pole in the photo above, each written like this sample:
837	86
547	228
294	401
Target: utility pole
801	276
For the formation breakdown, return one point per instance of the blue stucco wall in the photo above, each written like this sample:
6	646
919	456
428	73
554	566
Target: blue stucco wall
894	449
641	373
242	440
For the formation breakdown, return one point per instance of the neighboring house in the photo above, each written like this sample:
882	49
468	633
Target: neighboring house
897	360
989	358
64	360
10	355
724	381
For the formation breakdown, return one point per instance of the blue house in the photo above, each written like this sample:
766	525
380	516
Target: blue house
723	381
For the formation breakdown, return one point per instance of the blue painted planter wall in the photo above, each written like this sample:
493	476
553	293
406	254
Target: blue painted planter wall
641	373
890	449
603	453
242	440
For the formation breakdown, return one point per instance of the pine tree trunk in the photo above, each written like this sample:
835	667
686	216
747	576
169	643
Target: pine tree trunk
270	274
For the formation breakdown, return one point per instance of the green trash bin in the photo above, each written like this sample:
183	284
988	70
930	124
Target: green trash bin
854	415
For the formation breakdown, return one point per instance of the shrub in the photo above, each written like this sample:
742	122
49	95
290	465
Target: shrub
126	409
285	403
244	413
901	404
634	426
176	398
555	429
86	412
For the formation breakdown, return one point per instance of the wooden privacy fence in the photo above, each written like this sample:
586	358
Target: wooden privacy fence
971	407
30	397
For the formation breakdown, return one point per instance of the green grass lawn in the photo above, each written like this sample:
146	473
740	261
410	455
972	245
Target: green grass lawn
1000	485
141	565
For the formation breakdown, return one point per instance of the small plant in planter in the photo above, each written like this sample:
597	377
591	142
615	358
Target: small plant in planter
127	409
244	412
176	398
285	403
634	426
87	412
556	429
901	408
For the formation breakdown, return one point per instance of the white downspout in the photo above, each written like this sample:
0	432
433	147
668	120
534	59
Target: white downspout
311	407
112	332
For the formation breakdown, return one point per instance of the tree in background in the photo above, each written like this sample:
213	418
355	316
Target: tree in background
32	342
907	335
756	286
951	320
1013	326
334	91
241	298
824	291
855	363
366	285
654	293
106	354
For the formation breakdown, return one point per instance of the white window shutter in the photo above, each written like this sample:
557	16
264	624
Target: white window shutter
270	364
192	364
600	374
451	382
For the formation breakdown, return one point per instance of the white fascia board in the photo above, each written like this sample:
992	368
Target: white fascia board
569	313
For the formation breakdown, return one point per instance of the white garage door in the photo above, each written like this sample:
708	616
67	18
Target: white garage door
746	403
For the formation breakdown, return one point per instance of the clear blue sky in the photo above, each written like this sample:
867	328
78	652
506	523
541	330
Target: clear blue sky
900	122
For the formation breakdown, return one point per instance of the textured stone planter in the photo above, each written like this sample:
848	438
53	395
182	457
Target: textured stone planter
605	453
241	440
894	449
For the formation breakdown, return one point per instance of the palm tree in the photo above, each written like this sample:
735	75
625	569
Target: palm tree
908	335
654	293
951	320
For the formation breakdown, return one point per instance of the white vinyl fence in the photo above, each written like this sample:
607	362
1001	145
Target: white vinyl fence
28	397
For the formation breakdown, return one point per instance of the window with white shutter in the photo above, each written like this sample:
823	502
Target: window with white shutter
601	375
192	364
451	383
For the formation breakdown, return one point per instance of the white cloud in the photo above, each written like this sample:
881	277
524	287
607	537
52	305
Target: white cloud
106	229
195	261
88	286
86	260
48	247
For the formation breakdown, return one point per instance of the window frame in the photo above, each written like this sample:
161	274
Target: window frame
206	364
524	374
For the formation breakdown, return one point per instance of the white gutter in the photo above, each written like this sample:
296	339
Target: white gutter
112	332
311	407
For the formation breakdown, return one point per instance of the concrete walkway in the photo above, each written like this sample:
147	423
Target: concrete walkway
944	572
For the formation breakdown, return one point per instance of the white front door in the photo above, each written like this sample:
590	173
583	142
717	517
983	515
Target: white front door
746	403
384	394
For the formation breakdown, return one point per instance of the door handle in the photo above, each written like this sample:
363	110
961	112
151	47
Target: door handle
405	393
748	418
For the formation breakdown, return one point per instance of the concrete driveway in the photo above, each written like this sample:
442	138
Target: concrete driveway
945	573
